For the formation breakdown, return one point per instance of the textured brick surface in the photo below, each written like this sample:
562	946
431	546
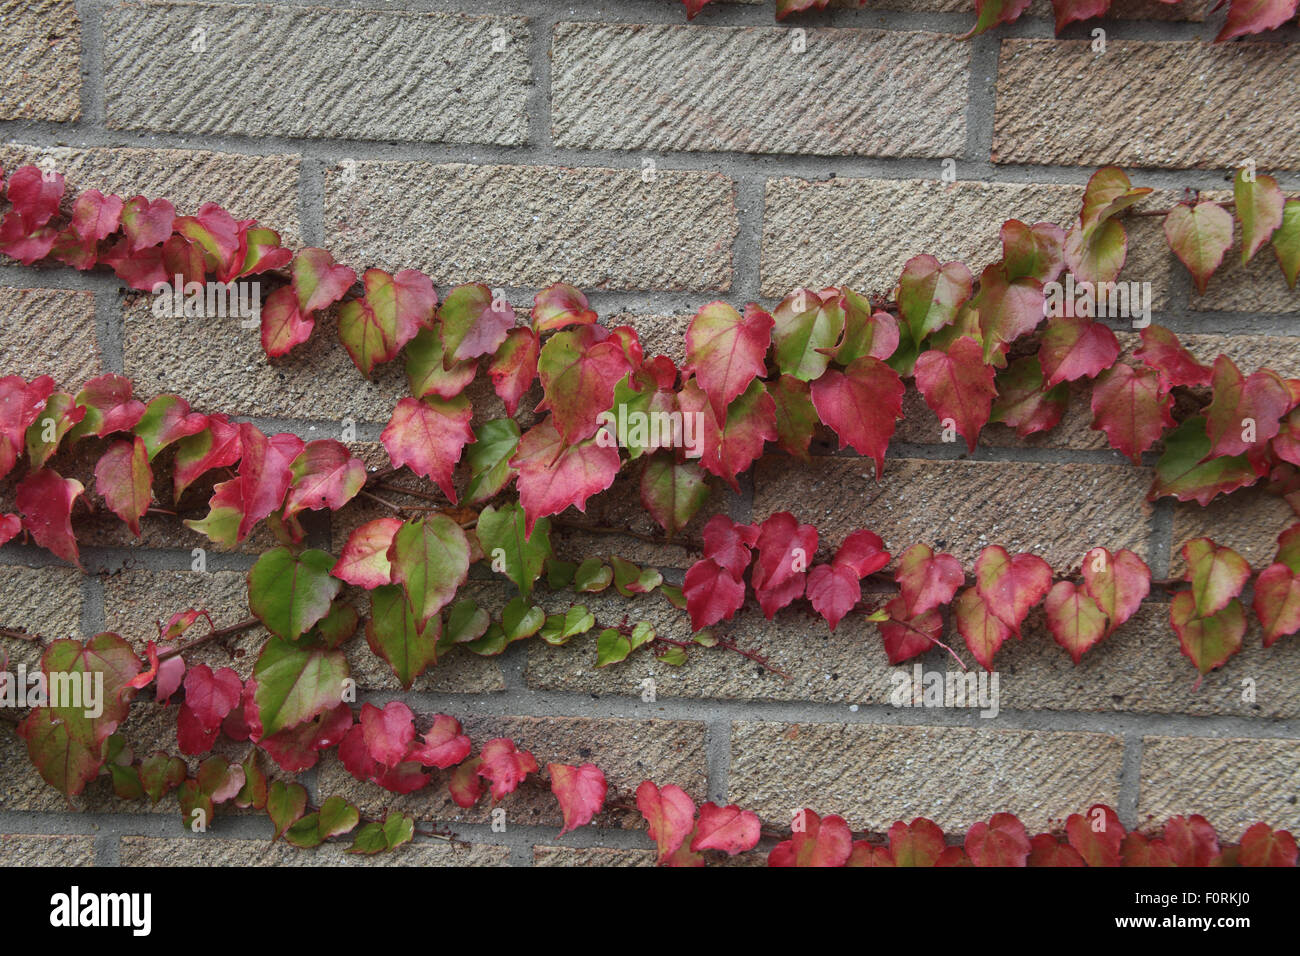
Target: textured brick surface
425	78
860	232
1232	782
264	188
1056	511
873	774
1188	104
44	601
30	849
40	45
532	225
861	92
628	751
590	856
212	850
1248	521
49	332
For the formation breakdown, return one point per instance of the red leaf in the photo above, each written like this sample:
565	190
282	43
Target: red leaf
264	473
1277	602
504	766
325	475
834	589
317	281
1074	348
1024	402
729	829
906	635
1097	835
712	593
284	324
45	502
979	627
1008	308
727	451
1072	11
10	525
1132	408
1011	586
392	311
1207	642
216	447
927	580
1047	851
578	378
35	196
728	543
1217	573
210	696
1118	583
785	549
1162	351
554	474
473	322
957	385
1261	845
559	305
146	223
670	814
817	841
1073	617
727	351
428	435
95	216
442	745
109	407
919	843
514	367
124	479
364	559
1199	236
1255	16
580	790
1244	411
1000	842
1191	840
465	785
861	404
20	404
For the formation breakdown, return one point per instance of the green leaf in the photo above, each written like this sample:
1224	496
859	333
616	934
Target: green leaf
335	817
489	457
592	576
336	626
394	634
805	324
675	656
929	295
510	551
630	580
561	628
397	828
673	491
611	647
519	620
290	592
1259	203
430	559
294	684
466	622
492	643
285	805
559	574
1182	470
674	595
1286	242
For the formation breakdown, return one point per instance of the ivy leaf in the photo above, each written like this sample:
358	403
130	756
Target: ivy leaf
1217	574
161	773
166	419
1191	840
1036	251
1074	348
108	406
1259	203
1118	583
554	474
795	416
394	634
1010	586
1199	236
124	479
1277	602
1286	242
34	195
1162	351
325	475
785	550
630	580
1207	642
669	814
20	404
1096	836
919	843
364	559
672	491
712	593
317	281
1100	256
473	322
502	530
979	627
1008	308
504	766
1184	472
1075	620
728	450
729	829
428	435
396	830
1244	406
727	351
905	636
1024	402
728	543
426	373
335	818
292	685
1261	845
488	457
559	629
578	378
865	332
146	223
1132	408
60	415
930	294
821	842
861	405
834	589
264	473
958	385
291	592
1108	193
805	323
391	312
927	580
217	446
430	559
285	805
284	325
1255	16
514	367
442	745
1000	842
559	305
44	500
580	790
592	576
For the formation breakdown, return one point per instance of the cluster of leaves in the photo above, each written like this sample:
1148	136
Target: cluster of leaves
1244	16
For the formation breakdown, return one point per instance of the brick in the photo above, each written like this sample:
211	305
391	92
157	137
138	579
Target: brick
466	92
1120	10
628	751
533	225
44	601
264	188
678	87
1170	105
40	45
1056	511
50	332
1233	782
845	666
829	232
1248	521
217	365
212	850
32	849
590	856
874	774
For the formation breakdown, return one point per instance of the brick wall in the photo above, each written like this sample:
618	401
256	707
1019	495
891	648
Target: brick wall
395	135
